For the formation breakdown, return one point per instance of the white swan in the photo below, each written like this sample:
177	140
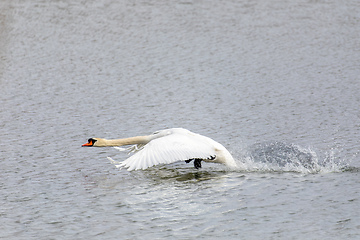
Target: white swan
168	146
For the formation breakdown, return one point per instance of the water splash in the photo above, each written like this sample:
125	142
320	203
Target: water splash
285	157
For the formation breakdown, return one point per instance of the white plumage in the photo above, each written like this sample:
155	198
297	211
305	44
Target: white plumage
167	146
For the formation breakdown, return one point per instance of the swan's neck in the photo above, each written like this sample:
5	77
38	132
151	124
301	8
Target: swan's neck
122	141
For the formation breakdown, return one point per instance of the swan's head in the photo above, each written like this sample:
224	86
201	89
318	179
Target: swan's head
92	142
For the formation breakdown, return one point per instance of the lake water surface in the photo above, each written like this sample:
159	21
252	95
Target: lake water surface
276	82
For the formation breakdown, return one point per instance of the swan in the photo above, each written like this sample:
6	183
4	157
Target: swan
167	146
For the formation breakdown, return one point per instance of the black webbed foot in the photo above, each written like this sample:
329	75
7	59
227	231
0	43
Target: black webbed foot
197	163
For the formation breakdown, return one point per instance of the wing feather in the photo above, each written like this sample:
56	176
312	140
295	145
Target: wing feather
170	149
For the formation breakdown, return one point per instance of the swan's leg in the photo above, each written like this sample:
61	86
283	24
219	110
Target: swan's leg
197	163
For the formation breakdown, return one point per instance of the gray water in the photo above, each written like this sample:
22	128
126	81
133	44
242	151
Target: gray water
276	82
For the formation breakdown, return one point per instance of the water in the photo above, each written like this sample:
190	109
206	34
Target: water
277	83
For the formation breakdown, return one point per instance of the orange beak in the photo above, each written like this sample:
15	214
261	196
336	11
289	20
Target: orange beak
89	144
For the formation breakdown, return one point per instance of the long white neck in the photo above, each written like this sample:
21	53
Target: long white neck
121	142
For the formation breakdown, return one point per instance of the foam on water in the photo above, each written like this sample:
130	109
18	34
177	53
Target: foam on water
284	157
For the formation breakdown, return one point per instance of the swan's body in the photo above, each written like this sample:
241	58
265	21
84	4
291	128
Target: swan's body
168	146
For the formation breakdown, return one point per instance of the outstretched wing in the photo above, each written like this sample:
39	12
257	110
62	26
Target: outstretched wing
170	149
